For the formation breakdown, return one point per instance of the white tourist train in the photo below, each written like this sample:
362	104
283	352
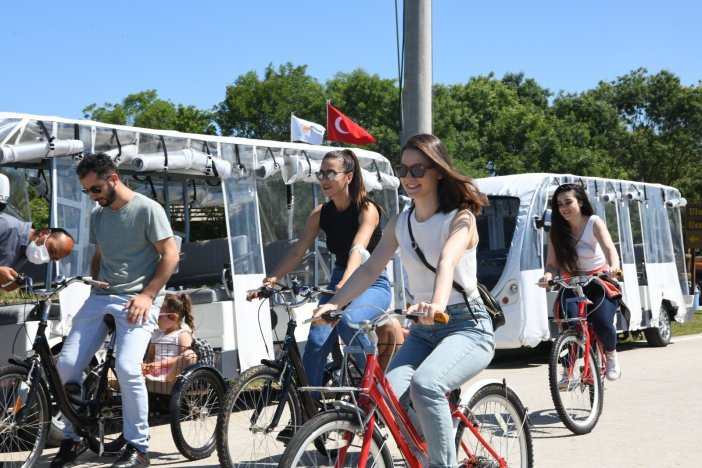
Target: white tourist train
644	222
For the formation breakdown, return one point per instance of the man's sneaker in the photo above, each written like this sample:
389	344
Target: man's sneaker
132	458
69	451
613	370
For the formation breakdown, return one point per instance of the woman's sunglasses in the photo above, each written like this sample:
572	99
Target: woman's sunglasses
96	189
417	170
329	175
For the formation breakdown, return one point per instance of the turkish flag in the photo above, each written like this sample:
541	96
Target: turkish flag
341	128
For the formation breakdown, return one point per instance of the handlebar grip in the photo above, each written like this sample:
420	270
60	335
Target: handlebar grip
441	317
96	283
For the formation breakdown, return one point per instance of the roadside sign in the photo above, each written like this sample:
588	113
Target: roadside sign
693	226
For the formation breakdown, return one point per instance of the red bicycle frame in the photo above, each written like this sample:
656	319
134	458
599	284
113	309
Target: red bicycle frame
583	327
376	397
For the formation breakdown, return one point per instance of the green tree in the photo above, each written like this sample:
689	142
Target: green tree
255	108
664	127
488	120
146	110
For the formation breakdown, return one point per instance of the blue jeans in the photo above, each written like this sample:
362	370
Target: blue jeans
434	360
600	313
374	301
87	334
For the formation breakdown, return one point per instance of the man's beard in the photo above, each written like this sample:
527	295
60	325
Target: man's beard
110	197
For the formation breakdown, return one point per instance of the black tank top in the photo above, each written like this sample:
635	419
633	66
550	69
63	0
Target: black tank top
341	227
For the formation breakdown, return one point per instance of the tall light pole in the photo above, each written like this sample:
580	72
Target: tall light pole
417	99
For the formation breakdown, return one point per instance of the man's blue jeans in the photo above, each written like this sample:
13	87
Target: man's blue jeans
373	302
87	334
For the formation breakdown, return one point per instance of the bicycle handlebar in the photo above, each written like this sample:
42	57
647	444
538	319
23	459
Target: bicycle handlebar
572	282
60	284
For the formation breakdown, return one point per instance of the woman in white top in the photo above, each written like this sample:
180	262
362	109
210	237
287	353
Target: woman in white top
579	243
435	357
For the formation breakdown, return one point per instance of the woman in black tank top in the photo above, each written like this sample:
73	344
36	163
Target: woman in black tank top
351	222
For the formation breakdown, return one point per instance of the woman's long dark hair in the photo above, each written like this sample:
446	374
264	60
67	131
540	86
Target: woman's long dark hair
456	191
561	234
357	190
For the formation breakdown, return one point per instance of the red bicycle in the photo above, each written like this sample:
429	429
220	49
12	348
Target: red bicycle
492	429
576	369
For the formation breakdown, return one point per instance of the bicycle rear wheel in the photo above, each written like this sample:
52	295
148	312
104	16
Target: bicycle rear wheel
502	421
21	443
577	392
196	402
332	439
244	433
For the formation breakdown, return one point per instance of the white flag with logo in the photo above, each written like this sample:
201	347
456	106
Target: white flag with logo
307	132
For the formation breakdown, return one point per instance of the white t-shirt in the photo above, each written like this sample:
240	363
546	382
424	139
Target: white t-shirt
431	236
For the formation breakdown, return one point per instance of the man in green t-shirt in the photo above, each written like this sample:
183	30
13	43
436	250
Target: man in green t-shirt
135	253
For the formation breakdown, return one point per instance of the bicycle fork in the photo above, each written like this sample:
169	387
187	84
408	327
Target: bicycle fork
26	393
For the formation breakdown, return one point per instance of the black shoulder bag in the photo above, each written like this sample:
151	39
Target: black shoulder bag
493	307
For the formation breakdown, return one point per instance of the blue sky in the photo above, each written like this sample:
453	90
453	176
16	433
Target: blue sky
58	57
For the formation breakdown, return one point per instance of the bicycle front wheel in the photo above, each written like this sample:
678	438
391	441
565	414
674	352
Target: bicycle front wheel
576	390
333	438
245	436
21	441
498	415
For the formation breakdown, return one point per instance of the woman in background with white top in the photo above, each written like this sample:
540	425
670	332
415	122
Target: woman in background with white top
579	244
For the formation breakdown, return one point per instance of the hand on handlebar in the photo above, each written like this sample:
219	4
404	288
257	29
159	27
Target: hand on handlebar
427	313
262	291
545	281
321	313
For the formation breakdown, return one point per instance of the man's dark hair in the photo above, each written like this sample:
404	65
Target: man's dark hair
101	164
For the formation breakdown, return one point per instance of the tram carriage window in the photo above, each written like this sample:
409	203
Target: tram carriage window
496	225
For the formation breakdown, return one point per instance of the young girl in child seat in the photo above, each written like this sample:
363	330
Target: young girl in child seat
169	350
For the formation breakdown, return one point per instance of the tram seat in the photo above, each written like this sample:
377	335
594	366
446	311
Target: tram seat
200	269
276	250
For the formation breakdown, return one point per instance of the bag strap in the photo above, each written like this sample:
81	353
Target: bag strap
421	256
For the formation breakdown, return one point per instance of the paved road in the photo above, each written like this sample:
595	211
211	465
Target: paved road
651	417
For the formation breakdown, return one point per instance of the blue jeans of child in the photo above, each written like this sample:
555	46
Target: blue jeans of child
600	313
87	334
368	305
434	360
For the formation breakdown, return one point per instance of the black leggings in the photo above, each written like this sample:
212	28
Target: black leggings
602	318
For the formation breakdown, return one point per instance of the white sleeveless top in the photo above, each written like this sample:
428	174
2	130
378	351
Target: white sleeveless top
431	236
590	253
166	345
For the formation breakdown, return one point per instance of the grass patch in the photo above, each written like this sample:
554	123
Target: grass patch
689	328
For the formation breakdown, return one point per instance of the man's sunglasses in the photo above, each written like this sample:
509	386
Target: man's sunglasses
417	170
96	189
329	175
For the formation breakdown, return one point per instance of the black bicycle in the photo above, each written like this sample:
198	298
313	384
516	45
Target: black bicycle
95	407
265	404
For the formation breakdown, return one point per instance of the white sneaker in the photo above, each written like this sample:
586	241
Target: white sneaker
613	370
564	381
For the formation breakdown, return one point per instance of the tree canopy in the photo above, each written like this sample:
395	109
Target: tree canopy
640	126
